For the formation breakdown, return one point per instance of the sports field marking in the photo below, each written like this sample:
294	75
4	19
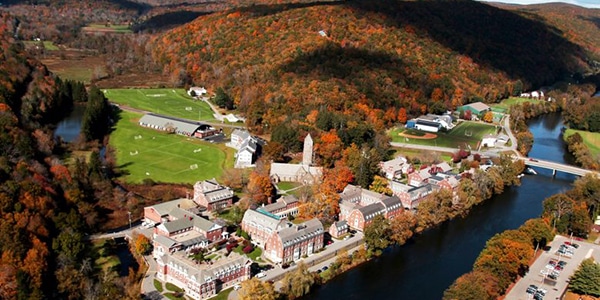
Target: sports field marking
155	95
134	153
137	137
188	108
194	167
197	150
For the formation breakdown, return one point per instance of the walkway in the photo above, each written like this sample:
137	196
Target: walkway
147	288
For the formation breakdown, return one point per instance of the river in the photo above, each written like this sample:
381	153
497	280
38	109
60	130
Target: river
427	265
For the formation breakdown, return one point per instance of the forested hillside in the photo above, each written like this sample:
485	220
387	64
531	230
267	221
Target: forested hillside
46	204
370	56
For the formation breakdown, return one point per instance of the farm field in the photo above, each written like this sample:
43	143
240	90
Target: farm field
590	139
143	153
124	28
465	134
170	102
507	103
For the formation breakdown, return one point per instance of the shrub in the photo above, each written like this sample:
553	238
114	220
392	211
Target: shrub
248	249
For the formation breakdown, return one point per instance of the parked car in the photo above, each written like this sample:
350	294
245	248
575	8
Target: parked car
562	263
531	289
325	268
261	275
553	276
237	287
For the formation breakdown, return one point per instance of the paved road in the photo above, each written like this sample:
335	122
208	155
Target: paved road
555	288
556	166
278	272
147	288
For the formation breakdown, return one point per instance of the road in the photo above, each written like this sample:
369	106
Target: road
314	262
533	162
555	288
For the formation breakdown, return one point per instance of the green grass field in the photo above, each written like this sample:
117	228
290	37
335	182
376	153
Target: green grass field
146	153
118	28
465	133
590	139
507	103
170	102
48	45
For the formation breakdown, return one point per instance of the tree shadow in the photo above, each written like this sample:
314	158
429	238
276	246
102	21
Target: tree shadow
504	40
351	65
523	48
167	21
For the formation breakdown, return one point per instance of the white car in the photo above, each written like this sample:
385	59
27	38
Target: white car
261	275
237	287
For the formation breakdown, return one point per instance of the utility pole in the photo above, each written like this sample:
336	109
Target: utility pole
129	215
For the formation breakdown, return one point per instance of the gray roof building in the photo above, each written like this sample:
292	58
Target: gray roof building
165	123
296	234
370	211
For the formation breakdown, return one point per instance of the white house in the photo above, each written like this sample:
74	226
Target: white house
196	91
489	140
246	155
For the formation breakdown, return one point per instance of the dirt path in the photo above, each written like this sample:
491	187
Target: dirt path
427	136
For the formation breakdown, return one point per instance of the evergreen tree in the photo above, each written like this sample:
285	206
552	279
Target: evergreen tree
586	279
95	123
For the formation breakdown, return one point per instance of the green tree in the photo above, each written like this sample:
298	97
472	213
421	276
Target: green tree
539	232
222	99
298	283
586	280
378	234
96	117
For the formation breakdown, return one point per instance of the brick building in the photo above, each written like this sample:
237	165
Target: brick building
212	195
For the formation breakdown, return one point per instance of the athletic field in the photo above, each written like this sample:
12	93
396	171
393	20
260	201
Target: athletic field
146	153
169	102
507	103
463	135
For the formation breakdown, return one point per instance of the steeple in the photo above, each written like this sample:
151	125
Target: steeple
307	153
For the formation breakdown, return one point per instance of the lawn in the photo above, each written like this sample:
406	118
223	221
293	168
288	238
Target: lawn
507	103
158	285
146	153
170	102
223	295
254	255
118	28
590	139
285	186
463	135
48	45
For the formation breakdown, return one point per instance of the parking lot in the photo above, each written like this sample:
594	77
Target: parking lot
548	276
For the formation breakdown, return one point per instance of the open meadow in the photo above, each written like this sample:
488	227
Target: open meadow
463	135
507	103
590	139
169	102
144	153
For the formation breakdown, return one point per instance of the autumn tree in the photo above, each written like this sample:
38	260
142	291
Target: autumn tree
297	283
488	117
402	117
259	189
329	148
255	289
474	285
402	227
380	185
142	244
505	256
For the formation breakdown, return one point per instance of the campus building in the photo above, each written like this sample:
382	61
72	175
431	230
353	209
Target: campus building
304	172
281	240
358	206
212	195
201	281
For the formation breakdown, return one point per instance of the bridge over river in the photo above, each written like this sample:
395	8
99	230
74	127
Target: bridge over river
554	166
